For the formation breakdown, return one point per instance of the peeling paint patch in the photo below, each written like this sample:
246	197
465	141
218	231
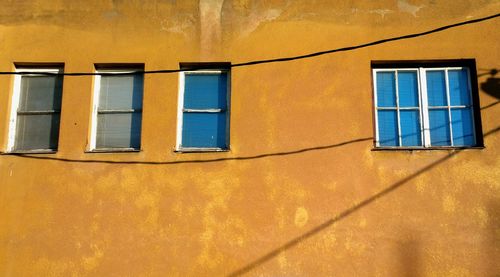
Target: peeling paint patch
381	12
404	6
258	18
301	217
181	26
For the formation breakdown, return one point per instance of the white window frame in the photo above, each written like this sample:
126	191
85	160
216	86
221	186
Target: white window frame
423	105
181	110
16	95
95	106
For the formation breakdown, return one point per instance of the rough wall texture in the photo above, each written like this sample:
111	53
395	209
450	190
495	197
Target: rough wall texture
435	213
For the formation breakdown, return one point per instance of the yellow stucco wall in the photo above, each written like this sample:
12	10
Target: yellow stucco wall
303	213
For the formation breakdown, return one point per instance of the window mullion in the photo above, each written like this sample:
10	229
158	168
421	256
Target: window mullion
397	108
471	105
419	91
425	107
38	112
449	104
374	76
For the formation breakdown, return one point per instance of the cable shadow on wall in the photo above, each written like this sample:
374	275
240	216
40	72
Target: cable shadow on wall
253	157
347	212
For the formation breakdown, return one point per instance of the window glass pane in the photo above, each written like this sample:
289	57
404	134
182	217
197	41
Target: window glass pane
205	91
121	92
119	130
388	128
410	128
40	93
436	88
204	130
459	87
461	124
408	89
386	90
439	127
37	132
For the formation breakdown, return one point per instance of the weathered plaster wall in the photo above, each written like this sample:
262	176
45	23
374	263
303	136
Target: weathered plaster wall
158	213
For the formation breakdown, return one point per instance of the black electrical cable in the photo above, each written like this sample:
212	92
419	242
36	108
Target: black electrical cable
343	49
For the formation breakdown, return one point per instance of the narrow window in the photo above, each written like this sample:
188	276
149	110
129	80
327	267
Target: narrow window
117	110
36	110
426	106
203	118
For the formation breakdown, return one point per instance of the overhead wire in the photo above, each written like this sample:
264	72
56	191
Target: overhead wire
264	61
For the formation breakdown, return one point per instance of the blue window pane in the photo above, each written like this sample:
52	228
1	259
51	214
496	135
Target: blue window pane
408	89
436	88
461	124
459	87
386	90
388	128
410	128
204	130
439	127
205	91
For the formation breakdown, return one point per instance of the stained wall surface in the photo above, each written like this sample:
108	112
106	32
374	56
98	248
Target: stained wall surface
300	193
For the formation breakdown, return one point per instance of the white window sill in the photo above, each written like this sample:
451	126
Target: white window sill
114	150
34	151
396	148
200	150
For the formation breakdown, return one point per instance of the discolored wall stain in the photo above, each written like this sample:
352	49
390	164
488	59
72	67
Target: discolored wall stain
294	196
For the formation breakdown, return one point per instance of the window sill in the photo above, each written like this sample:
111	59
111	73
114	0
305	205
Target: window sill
426	148
200	150
113	150
35	151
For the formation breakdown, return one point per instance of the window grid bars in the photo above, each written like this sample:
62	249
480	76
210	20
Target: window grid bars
471	104
449	104
181	110
397	107
420	108
423	103
425	107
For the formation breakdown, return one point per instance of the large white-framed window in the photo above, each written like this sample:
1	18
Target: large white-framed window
116	110
203	110
35	110
424	107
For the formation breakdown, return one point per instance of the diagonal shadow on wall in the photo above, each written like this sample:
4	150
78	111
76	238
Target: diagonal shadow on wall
347	212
